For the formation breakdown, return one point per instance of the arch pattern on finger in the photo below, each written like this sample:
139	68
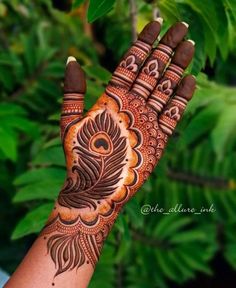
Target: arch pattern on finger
74	90
155	64
173	74
175	108
127	70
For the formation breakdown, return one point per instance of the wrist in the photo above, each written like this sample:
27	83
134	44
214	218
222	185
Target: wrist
73	242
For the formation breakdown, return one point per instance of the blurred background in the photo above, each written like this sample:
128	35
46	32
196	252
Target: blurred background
199	167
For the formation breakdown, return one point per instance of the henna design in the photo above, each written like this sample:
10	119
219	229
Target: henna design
129	63
170	80
175	109
73	100
150	74
151	69
127	71
71	247
101	152
112	150
173	113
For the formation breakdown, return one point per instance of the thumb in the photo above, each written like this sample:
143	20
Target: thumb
74	90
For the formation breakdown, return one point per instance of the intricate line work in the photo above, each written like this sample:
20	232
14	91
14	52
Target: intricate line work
172	114
112	150
151	69
101	152
72	108
129	63
70	247
127	71
161	94
144	121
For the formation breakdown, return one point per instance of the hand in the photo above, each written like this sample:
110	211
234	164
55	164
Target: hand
112	149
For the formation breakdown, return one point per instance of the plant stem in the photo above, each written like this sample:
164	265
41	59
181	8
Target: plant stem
133	17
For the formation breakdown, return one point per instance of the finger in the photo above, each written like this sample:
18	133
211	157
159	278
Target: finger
175	108
128	68
169	81
74	90
157	61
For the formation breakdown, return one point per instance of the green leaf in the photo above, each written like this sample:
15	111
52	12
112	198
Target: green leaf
174	226
6	78
192	257
52	155
47	189
7	109
53	142
29	127
8	143
77	3
185	272
230	254
188	236
32	222
97	9
201	124
55	69
223	32
49	88
164	223
166	265
169	9
205	8
230	5
133	209
29	52
38	175
98	73
224	129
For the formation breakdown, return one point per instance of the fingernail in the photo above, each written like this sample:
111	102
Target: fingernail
191	41
159	20
186	24
70	59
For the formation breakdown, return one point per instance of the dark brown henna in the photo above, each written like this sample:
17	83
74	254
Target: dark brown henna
157	61
173	74
175	108
175	35
74	90
128	69
71	246
101	152
112	150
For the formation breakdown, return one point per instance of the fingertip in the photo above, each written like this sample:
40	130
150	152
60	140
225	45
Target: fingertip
184	54
187	87
74	81
175	34
150	32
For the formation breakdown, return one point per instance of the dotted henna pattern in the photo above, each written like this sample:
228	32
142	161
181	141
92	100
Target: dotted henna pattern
112	150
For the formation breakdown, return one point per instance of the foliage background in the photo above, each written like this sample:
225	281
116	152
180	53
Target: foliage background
199	167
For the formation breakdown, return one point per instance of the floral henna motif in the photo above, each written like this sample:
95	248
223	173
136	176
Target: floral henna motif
114	148
97	176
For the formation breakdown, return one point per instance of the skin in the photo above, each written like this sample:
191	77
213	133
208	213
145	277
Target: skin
109	152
